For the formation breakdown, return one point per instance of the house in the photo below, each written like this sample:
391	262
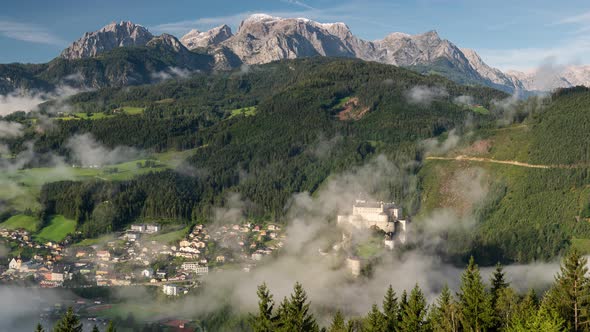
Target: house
103	255
15	264
131	236
138	228
147	273
170	290
195	267
257	256
152	229
220	259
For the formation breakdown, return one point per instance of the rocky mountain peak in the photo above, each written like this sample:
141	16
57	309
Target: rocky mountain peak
197	39
114	35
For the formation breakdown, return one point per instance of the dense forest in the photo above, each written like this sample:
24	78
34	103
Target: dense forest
297	106
475	306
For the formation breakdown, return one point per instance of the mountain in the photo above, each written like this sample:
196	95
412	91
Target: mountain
263	38
549	78
196	39
109	37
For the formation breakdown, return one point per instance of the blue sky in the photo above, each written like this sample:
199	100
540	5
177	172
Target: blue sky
515	34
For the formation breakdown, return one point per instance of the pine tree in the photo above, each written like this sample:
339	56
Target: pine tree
111	327
264	320
39	328
569	296
68	323
544	319
498	282
95	329
414	311
444	316
338	323
506	307
403	303
375	321
476	308
390	310
296	315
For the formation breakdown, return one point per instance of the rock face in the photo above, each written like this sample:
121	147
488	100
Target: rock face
111	36
197	39
494	75
262	38
549	78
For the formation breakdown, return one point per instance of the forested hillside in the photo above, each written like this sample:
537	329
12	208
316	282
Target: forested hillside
357	109
532	213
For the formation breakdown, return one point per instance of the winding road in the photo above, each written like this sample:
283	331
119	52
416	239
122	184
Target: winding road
508	162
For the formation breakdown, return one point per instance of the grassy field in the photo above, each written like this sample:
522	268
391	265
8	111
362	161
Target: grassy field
246	111
59	227
172	236
480	109
20	189
97	116
21	221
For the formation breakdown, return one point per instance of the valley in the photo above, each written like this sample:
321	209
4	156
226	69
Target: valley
156	183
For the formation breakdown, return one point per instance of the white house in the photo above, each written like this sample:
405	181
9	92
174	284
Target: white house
147	273
170	290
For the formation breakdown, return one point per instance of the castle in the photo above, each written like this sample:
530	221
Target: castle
385	216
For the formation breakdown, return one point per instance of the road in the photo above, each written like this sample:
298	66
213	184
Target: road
508	162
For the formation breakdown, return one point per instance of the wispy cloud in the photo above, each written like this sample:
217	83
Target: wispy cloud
298	3
340	13
29	32
572	49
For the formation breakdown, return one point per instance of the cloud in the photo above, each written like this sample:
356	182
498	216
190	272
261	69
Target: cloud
572	49
298	3
464	100
433	146
171	72
29	33
10	129
88	152
29	100
337	13
425	95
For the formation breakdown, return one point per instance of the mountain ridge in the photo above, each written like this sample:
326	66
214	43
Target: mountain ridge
262	38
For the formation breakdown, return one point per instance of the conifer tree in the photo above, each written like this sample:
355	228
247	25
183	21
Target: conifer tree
338	323
403	302
498	282
476	308
264	320
95	328
569	296
69	323
375	321
111	327
506	307
414	311
296	316
390	310
39	328
544	319
444	316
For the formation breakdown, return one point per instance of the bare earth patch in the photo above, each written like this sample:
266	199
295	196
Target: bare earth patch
352	110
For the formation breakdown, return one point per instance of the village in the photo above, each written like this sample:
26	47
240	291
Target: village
134	257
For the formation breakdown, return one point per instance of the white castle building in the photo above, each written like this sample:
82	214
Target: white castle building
385	216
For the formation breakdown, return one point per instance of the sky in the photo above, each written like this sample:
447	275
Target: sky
508	34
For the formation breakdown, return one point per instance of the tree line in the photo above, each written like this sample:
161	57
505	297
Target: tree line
476	306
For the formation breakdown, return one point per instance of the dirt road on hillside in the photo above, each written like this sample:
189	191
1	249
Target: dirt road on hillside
508	162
